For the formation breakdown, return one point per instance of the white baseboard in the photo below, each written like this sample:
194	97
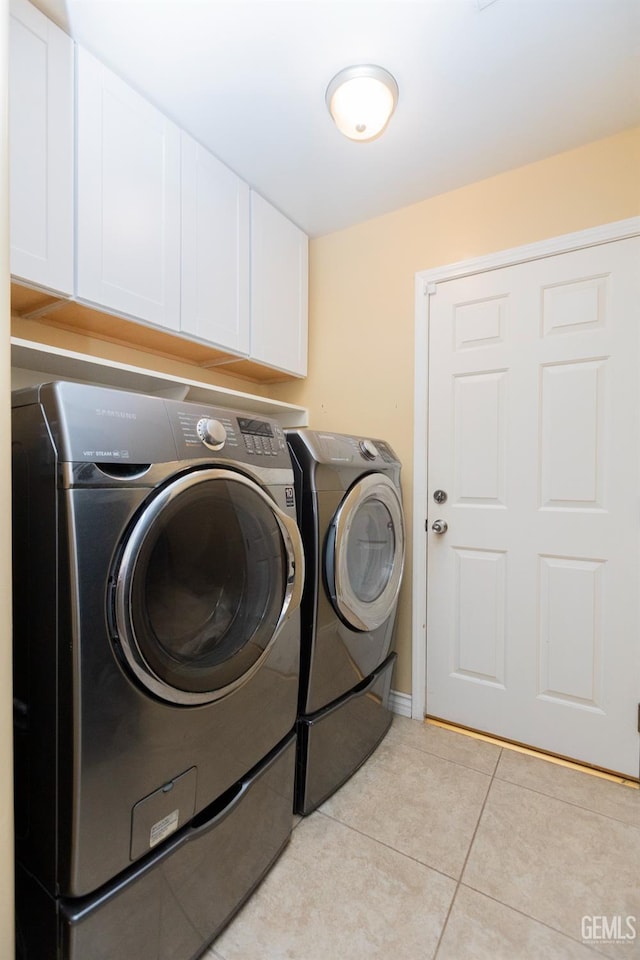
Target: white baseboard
400	703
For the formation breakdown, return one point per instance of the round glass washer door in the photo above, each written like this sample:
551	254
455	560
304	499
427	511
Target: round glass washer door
210	570
365	553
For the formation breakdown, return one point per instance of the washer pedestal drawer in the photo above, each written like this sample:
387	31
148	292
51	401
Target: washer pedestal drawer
335	741
175	901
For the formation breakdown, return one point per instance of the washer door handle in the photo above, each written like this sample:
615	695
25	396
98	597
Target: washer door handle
295	561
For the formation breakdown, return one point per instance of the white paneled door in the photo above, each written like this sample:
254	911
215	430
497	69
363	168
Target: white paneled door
533	627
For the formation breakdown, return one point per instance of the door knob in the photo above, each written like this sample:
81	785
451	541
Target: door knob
439	526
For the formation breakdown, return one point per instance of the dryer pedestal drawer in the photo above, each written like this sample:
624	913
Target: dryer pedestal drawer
335	741
173	902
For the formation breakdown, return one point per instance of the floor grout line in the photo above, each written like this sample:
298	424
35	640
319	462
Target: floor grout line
460	882
571	803
537	755
532	752
388	846
466	859
438	756
532	919
457	879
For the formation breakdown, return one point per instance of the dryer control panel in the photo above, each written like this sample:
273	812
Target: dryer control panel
343	448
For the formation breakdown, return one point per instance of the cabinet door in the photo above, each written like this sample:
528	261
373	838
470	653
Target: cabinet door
41	150
215	250
279	289
128	231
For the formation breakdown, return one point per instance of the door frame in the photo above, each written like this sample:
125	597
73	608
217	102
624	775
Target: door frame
425	286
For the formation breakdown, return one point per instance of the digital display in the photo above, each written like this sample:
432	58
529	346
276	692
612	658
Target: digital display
259	428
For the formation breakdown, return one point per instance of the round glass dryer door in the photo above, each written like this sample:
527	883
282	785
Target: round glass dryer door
365	553
209	572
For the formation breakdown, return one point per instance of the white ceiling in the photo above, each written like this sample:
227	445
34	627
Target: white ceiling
485	85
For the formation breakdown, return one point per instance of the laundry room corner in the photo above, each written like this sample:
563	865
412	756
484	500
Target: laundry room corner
360	378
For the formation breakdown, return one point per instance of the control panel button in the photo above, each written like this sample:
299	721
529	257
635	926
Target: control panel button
368	449
212	433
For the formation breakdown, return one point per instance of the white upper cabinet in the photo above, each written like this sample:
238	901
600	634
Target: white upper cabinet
41	150
128	199
279	289
146	224
215	250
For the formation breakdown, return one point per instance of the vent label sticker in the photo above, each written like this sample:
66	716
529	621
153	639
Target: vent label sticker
163	828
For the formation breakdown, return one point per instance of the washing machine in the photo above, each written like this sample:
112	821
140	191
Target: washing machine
351	518
158	571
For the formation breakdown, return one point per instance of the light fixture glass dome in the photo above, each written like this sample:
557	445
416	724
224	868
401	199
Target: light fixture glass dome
361	100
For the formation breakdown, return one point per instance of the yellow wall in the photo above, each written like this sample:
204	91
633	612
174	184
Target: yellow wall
361	336
6	696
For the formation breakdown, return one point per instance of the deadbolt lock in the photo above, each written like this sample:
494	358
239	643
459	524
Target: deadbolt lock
440	496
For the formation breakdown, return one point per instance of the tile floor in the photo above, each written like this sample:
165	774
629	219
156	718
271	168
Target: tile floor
445	847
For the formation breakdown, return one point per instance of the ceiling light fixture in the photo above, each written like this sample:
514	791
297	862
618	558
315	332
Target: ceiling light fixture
361	100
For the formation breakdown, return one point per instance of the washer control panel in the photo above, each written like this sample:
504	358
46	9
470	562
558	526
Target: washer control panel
261	437
212	433
202	431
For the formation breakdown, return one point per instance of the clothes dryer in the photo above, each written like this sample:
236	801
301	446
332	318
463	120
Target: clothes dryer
351	518
158	571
